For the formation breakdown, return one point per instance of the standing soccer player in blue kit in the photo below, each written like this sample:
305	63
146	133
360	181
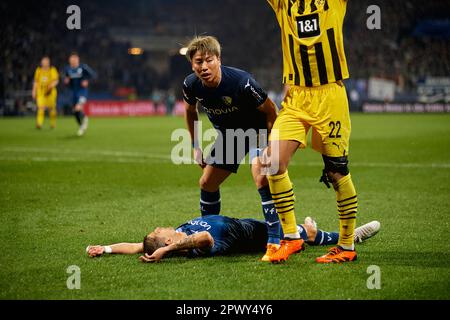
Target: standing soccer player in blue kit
234	102
77	77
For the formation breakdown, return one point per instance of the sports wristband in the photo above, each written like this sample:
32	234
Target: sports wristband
108	249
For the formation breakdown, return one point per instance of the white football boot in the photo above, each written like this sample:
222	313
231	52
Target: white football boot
366	231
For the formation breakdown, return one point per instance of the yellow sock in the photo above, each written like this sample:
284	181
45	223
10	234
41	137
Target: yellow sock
52	117
283	198
347	203
40	117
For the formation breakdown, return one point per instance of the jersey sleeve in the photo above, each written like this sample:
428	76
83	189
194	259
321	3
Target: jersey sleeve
251	93
88	72
276	4
188	94
36	75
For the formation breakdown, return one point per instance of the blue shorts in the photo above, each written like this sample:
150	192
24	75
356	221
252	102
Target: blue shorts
79	97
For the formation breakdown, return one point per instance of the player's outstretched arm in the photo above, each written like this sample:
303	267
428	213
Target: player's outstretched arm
201	240
118	248
90	73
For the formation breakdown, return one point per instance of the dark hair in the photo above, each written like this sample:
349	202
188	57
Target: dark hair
151	244
74	53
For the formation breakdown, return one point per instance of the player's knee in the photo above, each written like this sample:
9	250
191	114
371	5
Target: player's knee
260	181
208	184
273	163
282	167
335	168
279	168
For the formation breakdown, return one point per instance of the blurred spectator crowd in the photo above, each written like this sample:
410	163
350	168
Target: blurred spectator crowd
247	30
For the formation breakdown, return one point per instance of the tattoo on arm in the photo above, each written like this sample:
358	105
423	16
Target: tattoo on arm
186	243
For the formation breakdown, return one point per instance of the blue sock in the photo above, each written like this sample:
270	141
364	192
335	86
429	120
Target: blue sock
209	202
302	232
324	238
270	215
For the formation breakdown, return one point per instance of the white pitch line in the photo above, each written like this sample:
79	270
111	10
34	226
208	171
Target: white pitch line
69	159
84	152
379	164
131	157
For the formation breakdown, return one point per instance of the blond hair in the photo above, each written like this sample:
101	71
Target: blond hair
204	44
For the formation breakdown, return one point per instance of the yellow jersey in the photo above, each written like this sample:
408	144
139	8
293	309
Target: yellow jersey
312	41
43	78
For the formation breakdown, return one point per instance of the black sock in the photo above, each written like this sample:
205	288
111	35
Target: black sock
209	202
78	117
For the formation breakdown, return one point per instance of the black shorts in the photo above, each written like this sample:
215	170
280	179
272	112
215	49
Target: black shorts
253	235
228	152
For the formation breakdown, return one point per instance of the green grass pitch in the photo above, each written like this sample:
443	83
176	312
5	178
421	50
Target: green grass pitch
60	193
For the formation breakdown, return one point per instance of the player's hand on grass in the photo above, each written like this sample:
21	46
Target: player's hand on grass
95	251
198	157
155	257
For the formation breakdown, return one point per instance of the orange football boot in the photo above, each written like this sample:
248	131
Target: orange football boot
271	249
287	247
337	255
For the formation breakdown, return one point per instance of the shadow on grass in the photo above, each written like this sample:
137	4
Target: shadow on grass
70	137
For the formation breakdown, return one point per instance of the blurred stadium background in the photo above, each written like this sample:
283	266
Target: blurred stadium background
405	66
60	193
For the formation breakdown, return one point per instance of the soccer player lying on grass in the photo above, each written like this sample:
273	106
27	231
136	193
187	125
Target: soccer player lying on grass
220	235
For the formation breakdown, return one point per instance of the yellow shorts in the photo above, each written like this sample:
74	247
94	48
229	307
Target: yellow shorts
323	108
46	101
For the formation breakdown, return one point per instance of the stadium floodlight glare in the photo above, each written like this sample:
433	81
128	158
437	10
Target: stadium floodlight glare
135	51
183	51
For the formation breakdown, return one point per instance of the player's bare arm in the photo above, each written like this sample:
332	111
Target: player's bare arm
118	248
66	80
201	240
85	83
52	85
269	108
34	91
191	115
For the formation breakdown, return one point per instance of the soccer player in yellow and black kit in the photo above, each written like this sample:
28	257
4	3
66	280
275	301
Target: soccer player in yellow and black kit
44	91
314	67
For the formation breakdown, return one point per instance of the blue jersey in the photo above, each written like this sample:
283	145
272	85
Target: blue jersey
230	235
78	74
233	104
